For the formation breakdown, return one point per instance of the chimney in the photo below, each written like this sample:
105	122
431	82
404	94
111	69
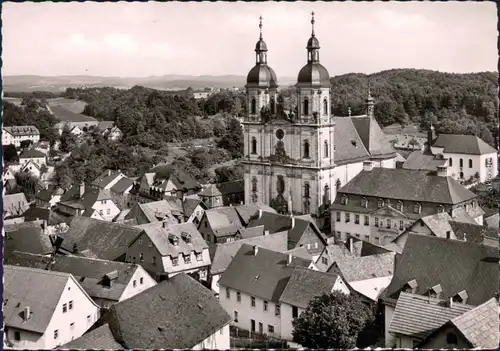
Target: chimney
465	236
448	234
266	232
109	172
451	302
293	222
82	189
27	313
442	171
431	135
255	250
351	244
241	203
165	224
260	213
290	258
367	166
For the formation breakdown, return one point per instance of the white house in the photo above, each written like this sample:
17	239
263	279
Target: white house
76	131
113	133
34	156
15	134
33	168
44	309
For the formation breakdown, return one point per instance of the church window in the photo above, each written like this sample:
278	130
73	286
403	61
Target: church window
307	207
254	184
306	149
417	208
364	202
399	206
273	106
253	107
306	190
380	203
451	162
325	107
254	146
461	162
327	195
338	184
470	163
326	148
280	185
306	107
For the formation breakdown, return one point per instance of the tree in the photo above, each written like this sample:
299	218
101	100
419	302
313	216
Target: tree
26	143
68	140
26	183
232	140
331	320
227	174
10	153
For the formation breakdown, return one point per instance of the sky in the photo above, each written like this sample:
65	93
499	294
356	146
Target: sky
218	38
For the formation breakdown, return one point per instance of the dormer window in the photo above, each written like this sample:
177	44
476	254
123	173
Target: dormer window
187	258
399	206
417	208
364	202
173	239
380	203
411	287
186	237
344	200
198	257
461	297
440	209
435	291
175	261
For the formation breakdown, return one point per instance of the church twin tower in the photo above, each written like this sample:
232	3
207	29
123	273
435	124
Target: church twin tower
289	154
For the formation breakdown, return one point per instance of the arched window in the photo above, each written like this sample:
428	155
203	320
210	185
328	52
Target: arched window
307	207
327	195
364	202
306	190
325	107
254	146
451	162
254	184
470	163
451	339
253	107
338	184
461	162
280	186
306	149
326	148
273	106
417	208
399	206
461	175
306	107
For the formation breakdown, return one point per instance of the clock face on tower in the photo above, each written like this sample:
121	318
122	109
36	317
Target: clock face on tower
280	134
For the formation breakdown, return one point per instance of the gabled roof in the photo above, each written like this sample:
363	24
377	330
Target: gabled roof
348	143
161	238
47	194
405	184
107	240
222	254
424	161
22	130
89	272
159	317
15	204
31	153
35	288
492	221
103	125
463	144
455	265
374	139
418	316
264	275
189	205
122	185
361	248
210	191
26	237
362	268
473	233
100	338
438	223
305	284
34	213
105	178
480	325
153	211
299	251
251	232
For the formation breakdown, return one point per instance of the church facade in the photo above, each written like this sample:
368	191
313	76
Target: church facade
291	158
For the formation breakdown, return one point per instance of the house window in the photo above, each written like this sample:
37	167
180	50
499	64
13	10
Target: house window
364	202
306	149
238	296
154	260
236	316
56	334
324	260
141	280
252	301
277	310
388	223
134	283
470	163
17	336
71	305
380	203
295	312
338	216
347	217
265	306
306	190
343	200
325	107
461	162
253	106
141	257
72	326
416	208
399	206
306	107
367	220
198	257
175	261
65	308
461	175
222	331
376	221
254	146
187	258
451	339
325	145
356	218
401	225
108	211
140	240
228	293
451	161
307	207
270	329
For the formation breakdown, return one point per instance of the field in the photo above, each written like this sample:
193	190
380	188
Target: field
75	106
396	128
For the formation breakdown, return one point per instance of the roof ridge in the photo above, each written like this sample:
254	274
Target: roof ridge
38	270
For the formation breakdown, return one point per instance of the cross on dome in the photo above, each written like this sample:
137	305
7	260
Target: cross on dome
312	23
260	26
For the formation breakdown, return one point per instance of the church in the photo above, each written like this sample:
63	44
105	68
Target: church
295	162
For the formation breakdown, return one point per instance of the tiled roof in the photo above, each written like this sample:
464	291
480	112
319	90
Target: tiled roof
250	211
463	144
31	153
15	204
222	254
88	271
210	191
480	325
160	237
305	284
251	232
35	288
90	196
177	313
473	233
454	264
348	143
367	267
34	213
152	210
424	161
105	178
22	130
460	215
418	316
405	184
492	221
122	185
26	237
439	224
100	338
63	114
374	139
189	205
300	251
108	241
264	275
335	252
222	218
363	248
